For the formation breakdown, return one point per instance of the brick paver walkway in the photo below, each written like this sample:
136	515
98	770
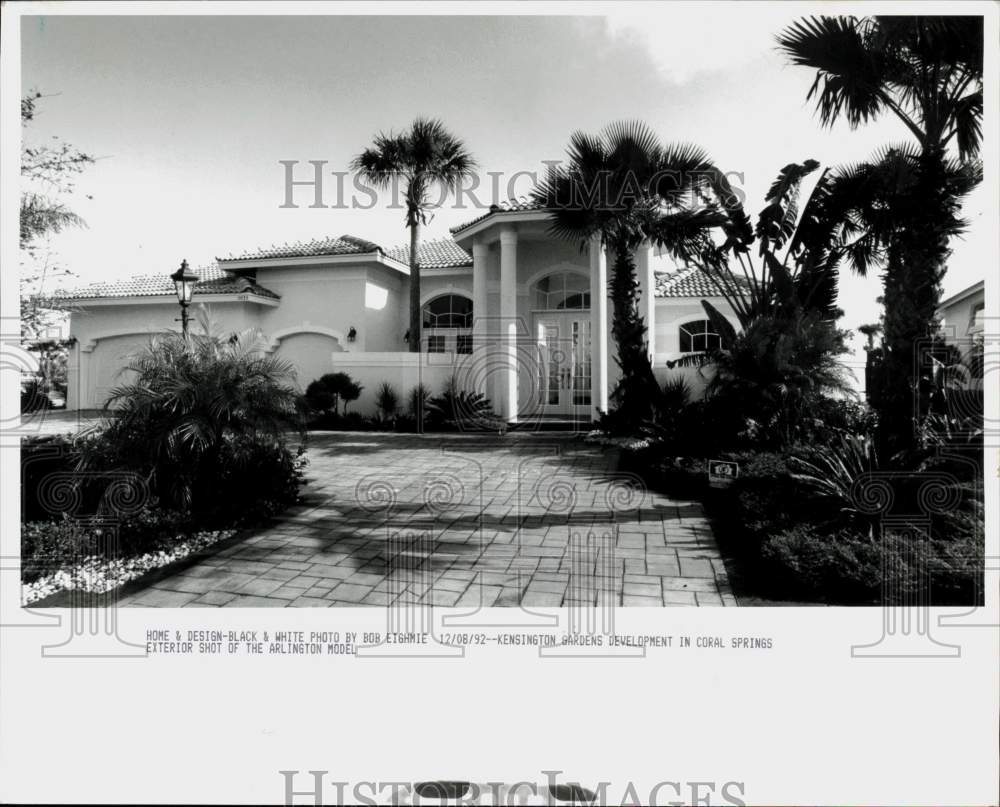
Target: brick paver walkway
531	520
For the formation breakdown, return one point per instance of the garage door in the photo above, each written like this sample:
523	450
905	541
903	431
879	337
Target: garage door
109	360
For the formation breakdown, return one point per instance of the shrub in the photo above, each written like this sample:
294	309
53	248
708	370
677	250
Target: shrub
319	397
350	422
455	408
47	546
776	369
705	428
193	403
802	563
52	486
833	473
332	391
417	403
42	457
387	400
847	566
616	423
829	417
251	480
764	498
675	398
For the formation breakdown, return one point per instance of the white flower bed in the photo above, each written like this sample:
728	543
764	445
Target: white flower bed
100	575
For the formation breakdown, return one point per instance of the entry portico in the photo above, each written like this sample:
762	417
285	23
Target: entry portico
539	305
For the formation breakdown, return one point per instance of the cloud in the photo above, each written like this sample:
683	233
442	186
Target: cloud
683	42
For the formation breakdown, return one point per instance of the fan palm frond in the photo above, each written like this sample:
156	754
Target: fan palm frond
849	73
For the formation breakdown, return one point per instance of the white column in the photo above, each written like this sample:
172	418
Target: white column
508	318
598	327
480	316
88	398
647	296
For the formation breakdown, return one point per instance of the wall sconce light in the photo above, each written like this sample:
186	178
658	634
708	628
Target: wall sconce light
352	334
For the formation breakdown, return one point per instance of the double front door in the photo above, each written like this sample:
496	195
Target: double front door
563	363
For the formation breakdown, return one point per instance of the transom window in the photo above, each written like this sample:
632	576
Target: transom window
448	311
561	291
447	324
698	336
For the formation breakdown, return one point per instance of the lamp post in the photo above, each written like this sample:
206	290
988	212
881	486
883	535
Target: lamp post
184	280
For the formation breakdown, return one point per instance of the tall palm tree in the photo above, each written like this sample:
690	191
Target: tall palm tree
928	73
901	210
425	157
624	187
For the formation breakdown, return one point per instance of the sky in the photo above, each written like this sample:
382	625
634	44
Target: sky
189	117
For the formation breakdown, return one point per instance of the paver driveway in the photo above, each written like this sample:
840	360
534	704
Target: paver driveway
456	520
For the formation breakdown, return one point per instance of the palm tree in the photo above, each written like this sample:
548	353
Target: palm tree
928	73
425	157
187	397
777	368
870	331
624	187
901	210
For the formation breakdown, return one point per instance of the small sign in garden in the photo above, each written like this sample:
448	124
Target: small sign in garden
722	472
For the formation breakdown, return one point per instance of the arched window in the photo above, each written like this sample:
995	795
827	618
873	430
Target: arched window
698	336
447	324
561	291
448	311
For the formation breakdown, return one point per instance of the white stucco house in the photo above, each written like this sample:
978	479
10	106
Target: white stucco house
509	310
962	314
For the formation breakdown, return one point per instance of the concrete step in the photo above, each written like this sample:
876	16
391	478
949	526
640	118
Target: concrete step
552	423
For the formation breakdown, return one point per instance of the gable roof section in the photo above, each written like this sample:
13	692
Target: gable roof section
968	291
689	282
341	245
441	254
212	280
520	205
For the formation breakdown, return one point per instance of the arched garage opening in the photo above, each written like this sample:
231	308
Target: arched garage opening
309	353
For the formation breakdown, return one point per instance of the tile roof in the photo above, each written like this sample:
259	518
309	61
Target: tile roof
519	205
342	245
689	282
212	280
234	285
441	254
